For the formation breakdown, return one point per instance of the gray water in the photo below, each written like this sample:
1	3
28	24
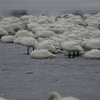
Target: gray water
50	8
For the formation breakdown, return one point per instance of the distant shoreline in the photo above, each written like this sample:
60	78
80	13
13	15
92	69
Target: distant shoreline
48	12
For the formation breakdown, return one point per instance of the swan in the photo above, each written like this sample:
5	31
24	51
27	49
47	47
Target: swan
33	19
86	15
42	21
66	16
57	39
58	27
66	33
73	36
41	54
42	16
14	19
97	15
94	23
90	28
92	54
25	22
85	34
51	19
56	96
78	21
25	33
45	34
76	31
11	19
39	28
17	40
71	46
28	42
1	98
3	32
49	45
21	24
70	27
96	33
62	36
58	30
8	39
40	39
32	25
79	41
92	43
8	28
7	20
16	26
26	17
4	23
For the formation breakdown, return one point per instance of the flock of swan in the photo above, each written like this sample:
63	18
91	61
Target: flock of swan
54	96
67	33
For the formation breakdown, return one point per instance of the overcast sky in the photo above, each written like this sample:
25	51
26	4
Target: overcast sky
49	4
50	7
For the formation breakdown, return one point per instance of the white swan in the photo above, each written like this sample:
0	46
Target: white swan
8	28
96	33
41	54
24	33
3	32
32	25
71	46
56	96
58	30
17	40
28	42
8	20
92	54
26	17
33	19
8	39
58	40
11	19
78	21
1	98
93	43
49	45
42	16
86	34
16	26
86	15
45	34
39	28
94	23
42	21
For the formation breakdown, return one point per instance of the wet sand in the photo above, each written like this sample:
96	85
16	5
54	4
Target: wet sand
23	78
